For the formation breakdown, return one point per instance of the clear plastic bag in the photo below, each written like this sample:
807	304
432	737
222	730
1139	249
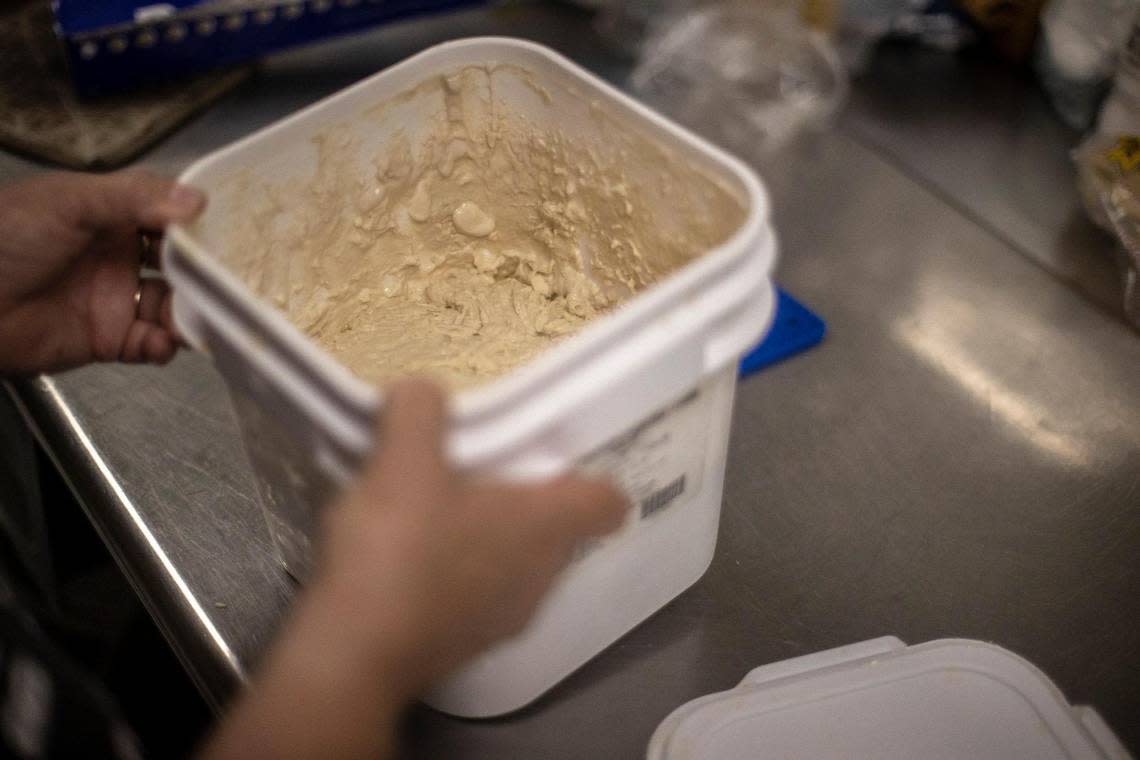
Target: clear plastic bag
1121	112
867	22
1077	53
1109	180
747	75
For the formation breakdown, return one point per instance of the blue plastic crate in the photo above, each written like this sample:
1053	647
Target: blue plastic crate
119	45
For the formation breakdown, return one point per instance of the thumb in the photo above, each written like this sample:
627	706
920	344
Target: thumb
410	462
577	507
135	198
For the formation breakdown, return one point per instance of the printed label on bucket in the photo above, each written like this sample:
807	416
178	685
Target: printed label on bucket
660	463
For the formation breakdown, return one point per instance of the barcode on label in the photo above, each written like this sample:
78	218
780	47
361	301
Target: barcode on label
662	497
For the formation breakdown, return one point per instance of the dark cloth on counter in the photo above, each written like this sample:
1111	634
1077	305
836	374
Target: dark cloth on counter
50	706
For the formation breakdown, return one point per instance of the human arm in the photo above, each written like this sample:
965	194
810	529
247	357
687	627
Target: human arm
421	568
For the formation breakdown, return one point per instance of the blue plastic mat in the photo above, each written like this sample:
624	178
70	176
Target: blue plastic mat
795	328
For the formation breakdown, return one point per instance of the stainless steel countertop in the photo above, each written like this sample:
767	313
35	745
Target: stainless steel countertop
960	457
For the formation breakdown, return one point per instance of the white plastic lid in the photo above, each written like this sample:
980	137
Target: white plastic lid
881	699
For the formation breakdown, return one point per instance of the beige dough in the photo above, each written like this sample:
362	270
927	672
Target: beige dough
470	246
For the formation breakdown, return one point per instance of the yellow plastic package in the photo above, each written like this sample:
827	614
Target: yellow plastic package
1109	180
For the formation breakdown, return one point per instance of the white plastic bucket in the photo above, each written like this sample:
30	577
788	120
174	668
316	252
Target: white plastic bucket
643	393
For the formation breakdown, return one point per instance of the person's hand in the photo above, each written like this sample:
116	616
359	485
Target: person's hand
70	257
421	568
464	562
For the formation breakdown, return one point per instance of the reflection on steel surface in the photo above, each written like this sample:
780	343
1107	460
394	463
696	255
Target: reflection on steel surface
141	525
1013	408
